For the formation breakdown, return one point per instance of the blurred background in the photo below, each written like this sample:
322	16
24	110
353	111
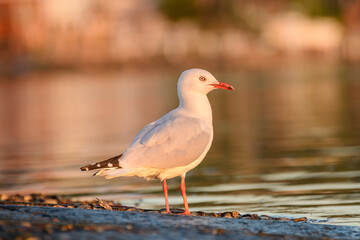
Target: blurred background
79	79
54	33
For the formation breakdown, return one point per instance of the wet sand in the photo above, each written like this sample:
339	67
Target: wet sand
38	216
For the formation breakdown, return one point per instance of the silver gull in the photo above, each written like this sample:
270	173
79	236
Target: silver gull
175	143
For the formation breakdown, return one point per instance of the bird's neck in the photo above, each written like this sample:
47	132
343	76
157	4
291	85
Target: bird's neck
196	103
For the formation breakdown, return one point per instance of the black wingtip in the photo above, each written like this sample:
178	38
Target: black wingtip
109	163
84	168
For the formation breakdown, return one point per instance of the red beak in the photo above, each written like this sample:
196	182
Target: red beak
223	86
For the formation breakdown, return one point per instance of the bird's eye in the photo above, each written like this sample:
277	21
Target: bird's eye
202	78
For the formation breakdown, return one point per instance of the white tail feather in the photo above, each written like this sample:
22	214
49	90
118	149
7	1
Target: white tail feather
115	172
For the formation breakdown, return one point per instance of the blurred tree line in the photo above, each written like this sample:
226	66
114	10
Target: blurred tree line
66	33
210	13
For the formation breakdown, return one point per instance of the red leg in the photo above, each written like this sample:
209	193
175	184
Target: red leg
183	192
165	188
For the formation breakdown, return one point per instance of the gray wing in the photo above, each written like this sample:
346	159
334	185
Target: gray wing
173	143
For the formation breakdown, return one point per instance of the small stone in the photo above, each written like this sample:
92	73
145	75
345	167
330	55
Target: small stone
104	204
218	231
265	217
27	198
4	197
26	224
214	214
235	214
131	209
59	206
199	213
226	215
51	201
303	219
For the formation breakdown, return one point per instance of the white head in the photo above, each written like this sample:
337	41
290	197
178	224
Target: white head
199	81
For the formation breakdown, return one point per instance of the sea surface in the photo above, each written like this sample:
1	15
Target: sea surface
286	142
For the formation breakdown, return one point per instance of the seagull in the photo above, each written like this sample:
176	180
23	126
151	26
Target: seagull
175	143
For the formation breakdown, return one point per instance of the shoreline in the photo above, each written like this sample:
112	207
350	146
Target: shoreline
54	217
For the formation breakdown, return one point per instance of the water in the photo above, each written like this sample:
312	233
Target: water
286	141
